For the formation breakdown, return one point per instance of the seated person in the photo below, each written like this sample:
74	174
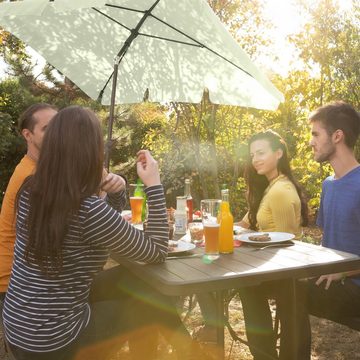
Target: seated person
60	304
335	130
275	203
32	125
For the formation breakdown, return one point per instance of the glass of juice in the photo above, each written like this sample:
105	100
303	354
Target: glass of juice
210	209
136	202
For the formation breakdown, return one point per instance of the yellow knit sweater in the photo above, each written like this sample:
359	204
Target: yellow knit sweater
280	208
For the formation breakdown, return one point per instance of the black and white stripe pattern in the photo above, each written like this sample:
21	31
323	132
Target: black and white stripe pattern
47	313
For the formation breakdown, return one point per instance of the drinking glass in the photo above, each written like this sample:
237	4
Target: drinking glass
136	202
210	209
196	230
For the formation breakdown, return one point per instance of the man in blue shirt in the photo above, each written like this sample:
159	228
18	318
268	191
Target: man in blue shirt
335	129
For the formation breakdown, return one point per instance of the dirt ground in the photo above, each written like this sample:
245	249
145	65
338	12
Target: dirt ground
330	341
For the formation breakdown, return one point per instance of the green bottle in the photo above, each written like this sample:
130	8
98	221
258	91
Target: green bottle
139	191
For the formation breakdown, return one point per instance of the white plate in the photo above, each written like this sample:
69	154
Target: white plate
275	237
239	230
182	246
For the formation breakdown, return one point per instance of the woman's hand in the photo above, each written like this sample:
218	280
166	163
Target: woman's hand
147	168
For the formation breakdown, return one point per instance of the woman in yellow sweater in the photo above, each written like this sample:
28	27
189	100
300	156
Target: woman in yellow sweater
275	203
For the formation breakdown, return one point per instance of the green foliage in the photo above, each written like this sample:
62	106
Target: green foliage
246	22
10	151
207	142
135	128
14	98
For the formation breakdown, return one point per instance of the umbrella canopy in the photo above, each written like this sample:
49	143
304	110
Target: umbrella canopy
169	48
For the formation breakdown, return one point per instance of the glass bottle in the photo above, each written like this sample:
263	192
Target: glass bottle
139	192
226	224
180	215
189	201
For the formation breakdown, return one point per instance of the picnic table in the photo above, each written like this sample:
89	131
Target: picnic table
245	267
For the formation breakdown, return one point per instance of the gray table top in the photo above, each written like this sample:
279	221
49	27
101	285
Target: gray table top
244	267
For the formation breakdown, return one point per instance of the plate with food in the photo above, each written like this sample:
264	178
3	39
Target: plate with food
265	237
177	247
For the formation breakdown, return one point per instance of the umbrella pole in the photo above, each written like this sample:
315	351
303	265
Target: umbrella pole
111	115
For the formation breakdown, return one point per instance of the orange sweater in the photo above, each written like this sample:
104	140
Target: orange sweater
7	219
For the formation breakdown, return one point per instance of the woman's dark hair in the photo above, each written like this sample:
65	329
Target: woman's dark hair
256	184
69	169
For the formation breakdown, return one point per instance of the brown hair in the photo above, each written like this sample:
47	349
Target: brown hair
256	184
69	169
339	115
27	119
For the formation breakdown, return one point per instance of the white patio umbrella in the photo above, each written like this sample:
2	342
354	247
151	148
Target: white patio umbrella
170	49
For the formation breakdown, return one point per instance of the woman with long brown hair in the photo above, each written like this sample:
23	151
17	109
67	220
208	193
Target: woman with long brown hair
60	303
276	203
268	175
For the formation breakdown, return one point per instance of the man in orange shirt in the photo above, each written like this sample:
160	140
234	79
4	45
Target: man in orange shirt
32	124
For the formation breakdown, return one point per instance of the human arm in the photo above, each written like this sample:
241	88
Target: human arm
244	222
107	228
8	219
329	278
147	168
104	227
113	190
112	183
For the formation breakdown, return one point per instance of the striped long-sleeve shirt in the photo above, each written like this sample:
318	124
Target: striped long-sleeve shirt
44	313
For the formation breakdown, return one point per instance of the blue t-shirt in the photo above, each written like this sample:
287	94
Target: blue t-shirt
339	213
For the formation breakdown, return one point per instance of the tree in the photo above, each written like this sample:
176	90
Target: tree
329	46
13	98
203	140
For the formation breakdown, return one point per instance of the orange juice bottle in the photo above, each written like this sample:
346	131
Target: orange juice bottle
226	224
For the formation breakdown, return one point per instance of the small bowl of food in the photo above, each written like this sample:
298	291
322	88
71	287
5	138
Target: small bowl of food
196	230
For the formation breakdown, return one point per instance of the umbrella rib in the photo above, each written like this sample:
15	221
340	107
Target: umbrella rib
201	44
112	19
125	8
133	34
170	40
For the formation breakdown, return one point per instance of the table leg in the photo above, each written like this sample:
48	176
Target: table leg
220	323
293	312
